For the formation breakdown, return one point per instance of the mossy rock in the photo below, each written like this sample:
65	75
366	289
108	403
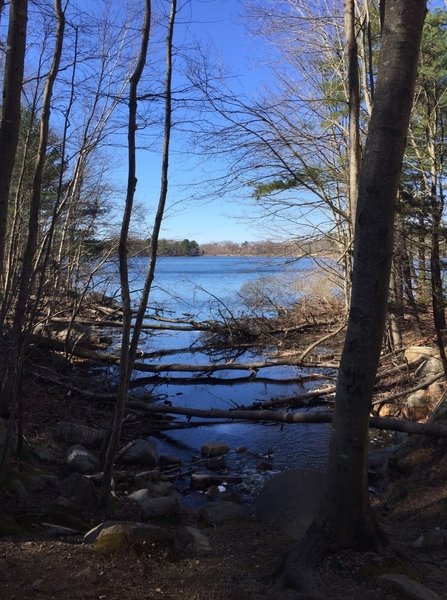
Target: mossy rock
375	569
112	543
9	526
66	519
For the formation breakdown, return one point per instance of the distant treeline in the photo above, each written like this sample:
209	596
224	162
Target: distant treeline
187	247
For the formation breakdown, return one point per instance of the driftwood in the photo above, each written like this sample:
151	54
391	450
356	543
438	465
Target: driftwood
390	424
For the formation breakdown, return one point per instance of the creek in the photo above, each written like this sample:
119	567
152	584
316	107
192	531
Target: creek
210	287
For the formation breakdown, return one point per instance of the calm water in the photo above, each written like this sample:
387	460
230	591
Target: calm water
212	287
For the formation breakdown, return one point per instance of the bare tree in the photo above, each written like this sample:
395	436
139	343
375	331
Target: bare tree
345	518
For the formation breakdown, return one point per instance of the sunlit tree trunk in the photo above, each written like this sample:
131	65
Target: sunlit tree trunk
346	513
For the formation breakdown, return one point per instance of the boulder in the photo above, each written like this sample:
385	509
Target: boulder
216	463
140	452
192	542
417	405
409	588
80	460
220	512
414	354
212	449
169	462
135	532
432	366
74	433
43	454
290	500
157	489
79	490
152	508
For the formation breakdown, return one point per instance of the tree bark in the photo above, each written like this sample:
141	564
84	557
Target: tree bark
345	513
11	110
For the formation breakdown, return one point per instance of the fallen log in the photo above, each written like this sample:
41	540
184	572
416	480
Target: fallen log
390	424
209	380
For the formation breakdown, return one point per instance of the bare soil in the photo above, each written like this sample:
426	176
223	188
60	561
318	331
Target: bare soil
412	501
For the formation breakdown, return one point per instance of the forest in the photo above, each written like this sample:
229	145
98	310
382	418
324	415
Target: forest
341	156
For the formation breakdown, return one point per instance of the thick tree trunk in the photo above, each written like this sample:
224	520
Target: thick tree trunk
345	511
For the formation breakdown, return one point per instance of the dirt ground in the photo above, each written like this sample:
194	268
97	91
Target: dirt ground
412	501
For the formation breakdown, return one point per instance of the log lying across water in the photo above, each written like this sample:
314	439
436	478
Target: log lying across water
390	424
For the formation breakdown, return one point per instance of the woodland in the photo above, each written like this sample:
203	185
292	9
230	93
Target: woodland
344	156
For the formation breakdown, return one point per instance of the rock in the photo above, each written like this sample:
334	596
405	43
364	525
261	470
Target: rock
436	539
140	452
241	449
417	405
202	481
158	489
43	454
87	575
432	366
212	492
212	449
80	460
135	532
290	500
192	541
378	458
409	588
79	490
73	433
54	530
121	536
219	512
146	477
417	353
216	464
440	413
152	508
264	466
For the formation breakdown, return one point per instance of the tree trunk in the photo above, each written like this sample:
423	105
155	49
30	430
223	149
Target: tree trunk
11	110
345	511
125	360
354	107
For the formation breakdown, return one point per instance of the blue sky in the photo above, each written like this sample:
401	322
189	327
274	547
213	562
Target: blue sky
219	24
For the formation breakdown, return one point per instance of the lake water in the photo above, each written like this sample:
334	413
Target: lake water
211	287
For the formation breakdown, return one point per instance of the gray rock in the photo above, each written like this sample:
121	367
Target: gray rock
140	452
43	454
212	449
436	539
202	481
409	588
219	512
158	489
192	541
73	433
152	508
135	532
417	405
432	366
80	460
87	575
416	353
290	500
79	490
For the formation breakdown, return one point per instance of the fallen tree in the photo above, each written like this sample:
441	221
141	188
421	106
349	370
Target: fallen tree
389	424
